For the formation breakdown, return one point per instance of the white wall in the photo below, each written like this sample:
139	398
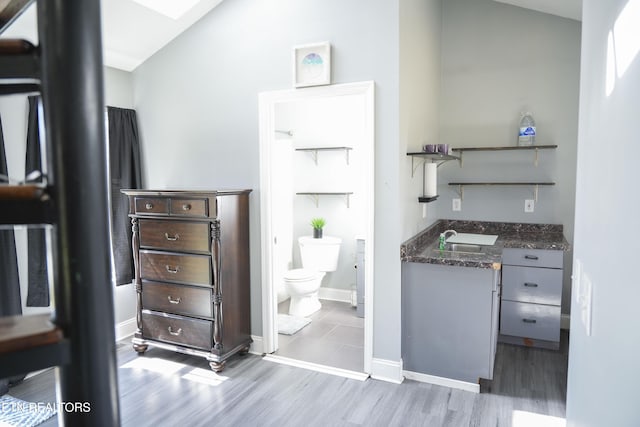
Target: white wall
420	69
197	101
329	122
603	368
499	60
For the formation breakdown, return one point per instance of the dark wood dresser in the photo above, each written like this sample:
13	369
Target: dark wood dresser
191	258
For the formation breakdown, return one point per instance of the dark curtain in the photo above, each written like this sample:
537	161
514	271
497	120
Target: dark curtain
10	302
38	290
124	169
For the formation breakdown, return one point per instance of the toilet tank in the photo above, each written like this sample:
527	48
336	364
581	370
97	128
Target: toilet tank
320	254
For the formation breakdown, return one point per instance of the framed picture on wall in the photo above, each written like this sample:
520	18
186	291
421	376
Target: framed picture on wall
312	65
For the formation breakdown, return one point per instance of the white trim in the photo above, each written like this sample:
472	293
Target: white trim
387	370
345	373
446	382
565	321
125	329
267	102
335	294
256	345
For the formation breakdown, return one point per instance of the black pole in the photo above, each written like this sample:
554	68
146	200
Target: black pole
72	82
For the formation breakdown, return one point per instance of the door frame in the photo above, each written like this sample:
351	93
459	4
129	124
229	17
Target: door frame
267	103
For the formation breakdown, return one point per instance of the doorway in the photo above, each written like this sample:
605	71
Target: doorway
317	160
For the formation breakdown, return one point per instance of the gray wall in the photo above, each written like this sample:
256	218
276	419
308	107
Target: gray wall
420	68
603	368
197	101
499	60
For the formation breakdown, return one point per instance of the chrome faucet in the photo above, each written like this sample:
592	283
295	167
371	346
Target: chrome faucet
443	238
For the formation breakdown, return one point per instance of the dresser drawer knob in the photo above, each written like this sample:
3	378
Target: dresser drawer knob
171	269
172	238
531	285
173	301
529	320
148	206
186	207
533	257
174	333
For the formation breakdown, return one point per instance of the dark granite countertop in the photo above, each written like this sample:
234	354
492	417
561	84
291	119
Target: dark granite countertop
424	246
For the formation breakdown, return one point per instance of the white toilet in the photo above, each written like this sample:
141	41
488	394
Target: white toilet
319	256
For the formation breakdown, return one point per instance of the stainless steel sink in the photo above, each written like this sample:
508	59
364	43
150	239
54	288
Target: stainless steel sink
462	247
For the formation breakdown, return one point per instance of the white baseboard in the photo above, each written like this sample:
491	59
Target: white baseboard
345	373
335	294
125	329
256	345
565	321
446	382
387	370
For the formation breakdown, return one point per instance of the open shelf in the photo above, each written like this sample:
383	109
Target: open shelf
535	148
425	199
314	151
316	195
535	185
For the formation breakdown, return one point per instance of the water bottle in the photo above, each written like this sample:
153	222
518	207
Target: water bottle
527	134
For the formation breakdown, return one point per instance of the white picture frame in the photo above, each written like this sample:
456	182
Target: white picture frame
312	65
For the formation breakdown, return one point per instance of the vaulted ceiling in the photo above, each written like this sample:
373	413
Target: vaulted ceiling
133	32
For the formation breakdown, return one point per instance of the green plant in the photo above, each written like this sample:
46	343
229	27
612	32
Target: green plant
318	223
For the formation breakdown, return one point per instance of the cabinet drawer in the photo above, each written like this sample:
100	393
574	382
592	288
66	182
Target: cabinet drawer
177	299
530	284
177	330
532	257
179	268
152	205
175	235
189	207
528	320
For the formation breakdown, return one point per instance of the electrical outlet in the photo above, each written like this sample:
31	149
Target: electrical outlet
456	204
424	210
528	205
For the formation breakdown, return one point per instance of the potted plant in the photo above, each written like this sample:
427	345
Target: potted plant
317	224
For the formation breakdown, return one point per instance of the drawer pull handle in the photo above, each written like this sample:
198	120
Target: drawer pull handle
149	206
529	320
171	269
173	301
172	238
186	207
174	333
533	257
531	285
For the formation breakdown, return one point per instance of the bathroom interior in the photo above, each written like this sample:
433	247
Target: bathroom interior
318	172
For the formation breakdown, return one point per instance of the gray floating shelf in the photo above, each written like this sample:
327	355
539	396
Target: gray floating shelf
535	185
507	148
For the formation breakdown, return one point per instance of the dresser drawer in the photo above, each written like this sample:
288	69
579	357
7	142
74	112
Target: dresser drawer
177	329
189	207
177	299
175	235
531	284
152	205
532	257
528	320
179	268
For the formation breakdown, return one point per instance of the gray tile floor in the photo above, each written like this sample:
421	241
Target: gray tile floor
335	337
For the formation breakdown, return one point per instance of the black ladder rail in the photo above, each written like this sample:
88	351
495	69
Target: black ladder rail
72	92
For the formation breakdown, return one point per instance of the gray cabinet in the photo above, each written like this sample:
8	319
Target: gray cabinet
531	297
449	320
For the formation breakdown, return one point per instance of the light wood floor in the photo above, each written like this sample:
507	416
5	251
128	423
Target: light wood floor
163	388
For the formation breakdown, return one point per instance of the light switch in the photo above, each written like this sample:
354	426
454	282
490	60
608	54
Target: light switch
586	297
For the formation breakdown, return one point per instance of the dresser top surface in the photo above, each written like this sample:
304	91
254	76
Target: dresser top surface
183	193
